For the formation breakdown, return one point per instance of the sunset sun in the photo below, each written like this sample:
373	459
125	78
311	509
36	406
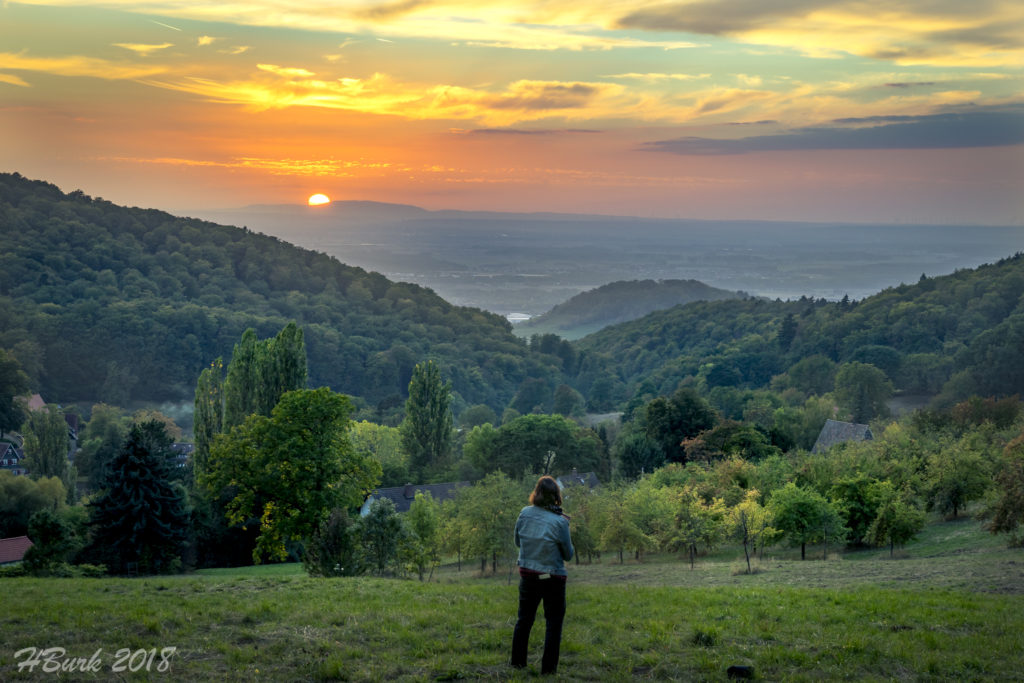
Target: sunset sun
318	199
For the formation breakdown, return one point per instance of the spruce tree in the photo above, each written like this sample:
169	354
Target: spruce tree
140	519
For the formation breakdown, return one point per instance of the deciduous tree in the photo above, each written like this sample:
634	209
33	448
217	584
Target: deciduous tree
291	469
427	428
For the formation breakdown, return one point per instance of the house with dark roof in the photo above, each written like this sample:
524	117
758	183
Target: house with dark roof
403	496
12	550
181	453
835	432
11	457
575	478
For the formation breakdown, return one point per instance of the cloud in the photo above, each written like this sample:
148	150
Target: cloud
655	77
289	72
524	100
991	127
77	66
13	80
203	41
144	49
523	131
939	32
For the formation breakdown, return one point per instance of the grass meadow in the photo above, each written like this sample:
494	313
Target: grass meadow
949	607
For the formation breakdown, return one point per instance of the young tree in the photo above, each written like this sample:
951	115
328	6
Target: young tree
1007	514
424	524
489	509
140	518
805	516
383	444
336	548
696	522
956	477
47	444
749	522
618	528
383	534
898	520
427	428
291	469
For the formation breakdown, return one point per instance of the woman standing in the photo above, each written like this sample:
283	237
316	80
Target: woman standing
542	536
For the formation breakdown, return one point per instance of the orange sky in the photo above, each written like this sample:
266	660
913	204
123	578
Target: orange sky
795	110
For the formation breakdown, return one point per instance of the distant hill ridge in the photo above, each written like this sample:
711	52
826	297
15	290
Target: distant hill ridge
619	302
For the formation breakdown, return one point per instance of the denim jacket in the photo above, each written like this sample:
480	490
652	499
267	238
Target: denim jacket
543	540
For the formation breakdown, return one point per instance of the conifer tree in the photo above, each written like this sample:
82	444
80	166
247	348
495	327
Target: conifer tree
140	519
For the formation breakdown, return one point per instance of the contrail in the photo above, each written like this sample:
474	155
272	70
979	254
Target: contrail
158	23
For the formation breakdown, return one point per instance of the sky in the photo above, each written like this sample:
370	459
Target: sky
796	110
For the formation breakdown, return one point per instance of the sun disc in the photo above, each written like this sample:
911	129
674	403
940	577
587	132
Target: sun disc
318	199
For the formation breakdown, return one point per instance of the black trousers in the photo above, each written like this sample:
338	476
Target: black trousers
533	591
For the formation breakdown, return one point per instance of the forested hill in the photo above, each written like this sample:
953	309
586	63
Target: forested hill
957	335
619	302
104	302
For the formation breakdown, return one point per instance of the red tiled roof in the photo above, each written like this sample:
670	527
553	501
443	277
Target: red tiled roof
14	549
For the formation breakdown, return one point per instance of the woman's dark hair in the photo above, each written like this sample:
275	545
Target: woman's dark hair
546	493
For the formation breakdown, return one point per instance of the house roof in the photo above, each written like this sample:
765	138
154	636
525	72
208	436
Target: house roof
835	432
403	496
574	478
13	549
36	402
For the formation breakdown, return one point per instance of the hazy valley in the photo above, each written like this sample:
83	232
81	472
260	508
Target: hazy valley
527	263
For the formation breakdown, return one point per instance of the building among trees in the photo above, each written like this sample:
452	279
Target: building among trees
835	432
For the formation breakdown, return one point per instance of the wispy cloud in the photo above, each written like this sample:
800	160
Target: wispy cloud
77	66
994	127
144	49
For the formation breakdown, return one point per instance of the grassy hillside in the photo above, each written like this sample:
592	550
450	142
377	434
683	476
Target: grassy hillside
948	608
104	302
618	302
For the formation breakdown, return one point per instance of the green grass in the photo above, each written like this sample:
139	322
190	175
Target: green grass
949	608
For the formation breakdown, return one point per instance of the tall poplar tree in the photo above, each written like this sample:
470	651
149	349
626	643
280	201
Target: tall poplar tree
208	418
427	428
280	367
47	444
240	386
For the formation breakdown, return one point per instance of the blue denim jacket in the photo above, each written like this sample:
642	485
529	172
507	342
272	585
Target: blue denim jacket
543	540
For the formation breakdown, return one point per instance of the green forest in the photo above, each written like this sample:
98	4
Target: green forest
313	383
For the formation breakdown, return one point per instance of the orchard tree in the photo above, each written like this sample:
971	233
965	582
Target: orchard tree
956	477
696	522
383	534
863	390
424	525
1007	514
805	516
427	428
898	520
619	526
140	518
750	523
489	509
291	469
